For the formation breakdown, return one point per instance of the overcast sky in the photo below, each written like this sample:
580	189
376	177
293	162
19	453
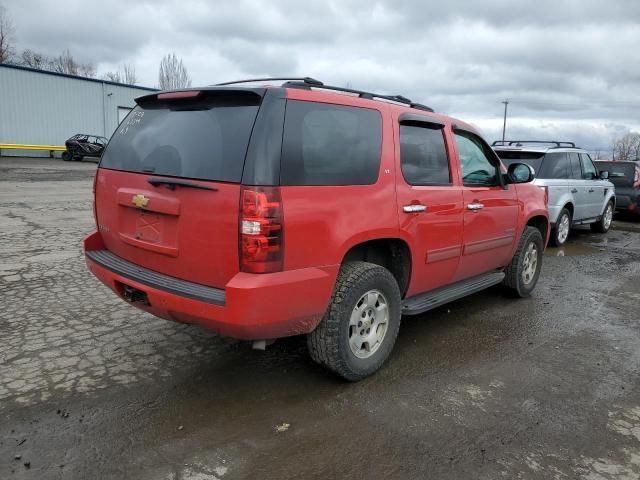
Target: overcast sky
570	68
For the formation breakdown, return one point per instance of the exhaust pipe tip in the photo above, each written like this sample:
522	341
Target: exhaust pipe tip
262	344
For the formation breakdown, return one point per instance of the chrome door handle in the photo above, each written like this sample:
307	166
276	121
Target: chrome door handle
574	190
475	206
414	208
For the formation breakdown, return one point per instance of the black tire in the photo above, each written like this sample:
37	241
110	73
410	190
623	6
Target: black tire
557	239
602	225
66	156
513	279
329	343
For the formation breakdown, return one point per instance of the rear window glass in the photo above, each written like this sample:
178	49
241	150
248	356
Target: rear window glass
206	139
327	144
619	173
533	159
423	157
556	166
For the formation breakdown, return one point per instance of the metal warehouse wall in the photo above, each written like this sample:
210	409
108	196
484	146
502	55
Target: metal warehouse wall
42	108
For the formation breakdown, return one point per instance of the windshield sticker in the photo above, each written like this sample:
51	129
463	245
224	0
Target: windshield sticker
132	120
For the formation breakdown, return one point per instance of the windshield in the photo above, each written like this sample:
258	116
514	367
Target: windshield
533	159
204	140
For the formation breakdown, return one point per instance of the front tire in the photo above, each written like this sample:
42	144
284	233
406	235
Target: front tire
66	156
521	275
561	231
604	224
359	329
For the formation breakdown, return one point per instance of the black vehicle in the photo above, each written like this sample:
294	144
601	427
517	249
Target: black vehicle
83	145
626	177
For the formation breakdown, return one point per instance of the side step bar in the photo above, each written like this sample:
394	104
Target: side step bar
435	298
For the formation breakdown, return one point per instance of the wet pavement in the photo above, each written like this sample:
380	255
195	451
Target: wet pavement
487	387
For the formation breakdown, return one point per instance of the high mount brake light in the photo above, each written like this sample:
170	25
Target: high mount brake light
178	95
261	232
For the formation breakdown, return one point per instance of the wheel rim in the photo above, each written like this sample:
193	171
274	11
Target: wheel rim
529	263
368	324
608	216
563	228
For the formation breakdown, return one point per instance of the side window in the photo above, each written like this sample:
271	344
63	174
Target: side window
478	167
326	144
588	170
423	156
556	165
576	169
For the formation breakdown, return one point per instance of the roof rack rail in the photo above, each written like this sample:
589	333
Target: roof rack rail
360	93
305	80
519	143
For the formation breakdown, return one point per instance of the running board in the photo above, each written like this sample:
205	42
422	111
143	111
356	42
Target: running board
435	298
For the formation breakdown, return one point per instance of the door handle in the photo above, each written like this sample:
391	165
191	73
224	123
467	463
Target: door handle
574	190
475	206
414	208
591	190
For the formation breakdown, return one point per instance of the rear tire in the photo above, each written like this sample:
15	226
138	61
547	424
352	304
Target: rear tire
604	224
358	331
560	232
521	275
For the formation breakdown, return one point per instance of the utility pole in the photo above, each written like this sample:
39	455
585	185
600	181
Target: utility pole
504	124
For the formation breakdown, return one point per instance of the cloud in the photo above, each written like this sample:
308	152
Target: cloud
570	68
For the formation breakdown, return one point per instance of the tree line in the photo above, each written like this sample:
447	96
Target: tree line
172	71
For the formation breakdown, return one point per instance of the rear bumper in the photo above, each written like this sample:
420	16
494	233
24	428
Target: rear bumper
250	307
627	202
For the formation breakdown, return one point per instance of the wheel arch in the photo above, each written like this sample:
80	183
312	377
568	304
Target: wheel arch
392	253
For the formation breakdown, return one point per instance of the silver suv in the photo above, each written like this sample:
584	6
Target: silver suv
578	194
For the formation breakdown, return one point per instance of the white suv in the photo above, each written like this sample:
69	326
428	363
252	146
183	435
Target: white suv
578	194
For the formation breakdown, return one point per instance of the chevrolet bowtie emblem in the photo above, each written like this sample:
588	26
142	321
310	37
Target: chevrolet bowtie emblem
140	200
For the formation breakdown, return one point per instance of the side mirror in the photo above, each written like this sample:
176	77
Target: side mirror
604	175
520	173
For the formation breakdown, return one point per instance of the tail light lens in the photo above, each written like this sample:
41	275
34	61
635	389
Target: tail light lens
261	230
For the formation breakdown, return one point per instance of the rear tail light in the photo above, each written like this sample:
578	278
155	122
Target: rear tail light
261	230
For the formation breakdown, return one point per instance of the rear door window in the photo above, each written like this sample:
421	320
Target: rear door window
423	156
327	144
556	166
576	169
204	140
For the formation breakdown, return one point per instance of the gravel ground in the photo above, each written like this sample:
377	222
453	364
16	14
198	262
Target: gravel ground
487	387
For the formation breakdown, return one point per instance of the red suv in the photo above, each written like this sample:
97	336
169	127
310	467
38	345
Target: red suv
298	208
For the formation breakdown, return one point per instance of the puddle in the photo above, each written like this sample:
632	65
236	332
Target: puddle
571	250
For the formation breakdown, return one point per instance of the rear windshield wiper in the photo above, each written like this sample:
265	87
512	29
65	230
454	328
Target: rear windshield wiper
172	184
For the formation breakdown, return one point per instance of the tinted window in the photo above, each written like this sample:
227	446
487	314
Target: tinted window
556	165
330	145
533	159
576	170
477	166
588	170
206	140
620	174
423	157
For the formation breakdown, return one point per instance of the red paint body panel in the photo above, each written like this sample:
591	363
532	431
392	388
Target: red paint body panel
257	306
186	233
193	234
